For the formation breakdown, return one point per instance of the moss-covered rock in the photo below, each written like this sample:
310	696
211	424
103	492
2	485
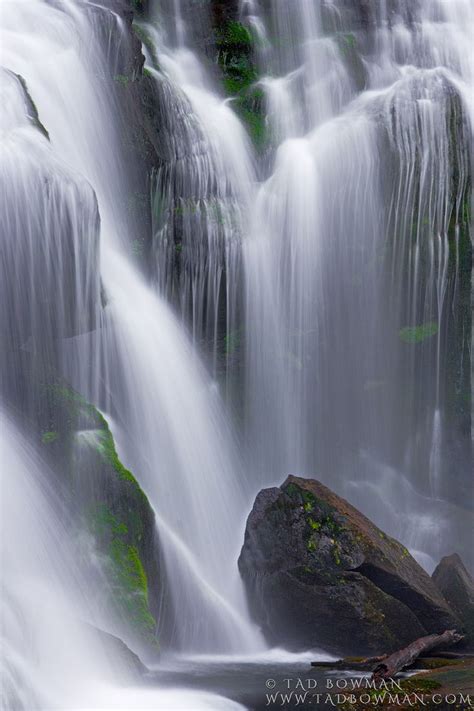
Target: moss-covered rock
108	504
234	54
319	573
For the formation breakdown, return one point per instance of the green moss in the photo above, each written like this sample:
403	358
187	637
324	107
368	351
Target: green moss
347	43
256	124
315	525
106	446
112	504
311	545
301	496
234	34
336	549
125	570
122	79
436	662
48	437
417	685
76	414
373	614
147	42
332	526
418	334
239	76
138	5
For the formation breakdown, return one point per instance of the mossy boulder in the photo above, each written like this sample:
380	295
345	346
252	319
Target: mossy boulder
108	505
320	574
456	584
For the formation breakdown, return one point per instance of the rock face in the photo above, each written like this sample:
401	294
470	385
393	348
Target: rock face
319	574
108	509
457	586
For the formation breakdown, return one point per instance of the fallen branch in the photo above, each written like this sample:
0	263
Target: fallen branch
397	661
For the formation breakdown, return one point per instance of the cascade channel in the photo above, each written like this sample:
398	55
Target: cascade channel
283	287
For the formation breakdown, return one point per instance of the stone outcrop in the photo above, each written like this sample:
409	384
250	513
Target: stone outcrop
115	524
457	585
320	574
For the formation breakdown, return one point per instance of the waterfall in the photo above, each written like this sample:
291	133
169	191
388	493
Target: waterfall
51	657
239	312
139	365
200	195
353	287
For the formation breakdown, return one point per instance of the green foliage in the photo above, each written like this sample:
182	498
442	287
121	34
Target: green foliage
234	34
418	334
48	437
234	44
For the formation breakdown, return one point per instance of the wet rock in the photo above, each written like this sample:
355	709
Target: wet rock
127	663
457	585
320	574
112	519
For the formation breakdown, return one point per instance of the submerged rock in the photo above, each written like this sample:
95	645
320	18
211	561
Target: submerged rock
455	582
320	574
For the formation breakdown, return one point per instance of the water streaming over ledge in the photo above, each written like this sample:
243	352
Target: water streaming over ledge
43	595
353	283
139	365
339	273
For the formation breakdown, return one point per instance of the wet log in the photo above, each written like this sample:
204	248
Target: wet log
390	665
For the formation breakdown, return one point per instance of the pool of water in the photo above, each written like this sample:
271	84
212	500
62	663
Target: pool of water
273	680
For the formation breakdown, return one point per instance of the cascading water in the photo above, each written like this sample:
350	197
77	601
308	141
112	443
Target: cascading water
335	290
352	266
43	595
201	191
139	365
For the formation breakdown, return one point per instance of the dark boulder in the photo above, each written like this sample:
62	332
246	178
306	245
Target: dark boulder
457	585
320	574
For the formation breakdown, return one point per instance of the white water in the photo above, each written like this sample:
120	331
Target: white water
168	413
351	243
203	189
50	658
324	382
